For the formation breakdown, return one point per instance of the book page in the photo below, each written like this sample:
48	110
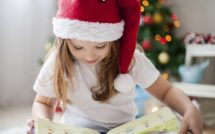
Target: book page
163	120
43	126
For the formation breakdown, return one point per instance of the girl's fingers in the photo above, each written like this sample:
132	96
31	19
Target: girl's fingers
184	128
30	123
30	130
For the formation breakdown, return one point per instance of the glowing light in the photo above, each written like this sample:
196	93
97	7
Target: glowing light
174	16
157	18
145	3
157	37
147	20
177	23
154	109
142	9
161	1
168	38
163	57
165	76
163	41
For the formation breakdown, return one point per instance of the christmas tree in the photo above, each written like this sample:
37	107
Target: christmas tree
157	38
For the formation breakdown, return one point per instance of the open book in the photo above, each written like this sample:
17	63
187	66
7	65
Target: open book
163	120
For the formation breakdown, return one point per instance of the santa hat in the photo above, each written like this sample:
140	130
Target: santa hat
101	21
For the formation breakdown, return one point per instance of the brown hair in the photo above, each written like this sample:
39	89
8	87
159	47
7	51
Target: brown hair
63	73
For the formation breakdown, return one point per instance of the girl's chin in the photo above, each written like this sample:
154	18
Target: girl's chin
91	63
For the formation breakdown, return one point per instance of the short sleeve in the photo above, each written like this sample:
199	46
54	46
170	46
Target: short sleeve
143	71
128	3
44	84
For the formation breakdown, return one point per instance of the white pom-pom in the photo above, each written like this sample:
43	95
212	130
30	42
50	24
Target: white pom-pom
124	83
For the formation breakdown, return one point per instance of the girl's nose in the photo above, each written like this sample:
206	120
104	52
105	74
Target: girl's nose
90	56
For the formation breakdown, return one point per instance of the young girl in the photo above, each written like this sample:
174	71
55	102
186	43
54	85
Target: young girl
92	70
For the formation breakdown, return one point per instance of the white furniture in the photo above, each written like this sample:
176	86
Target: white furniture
198	90
196	50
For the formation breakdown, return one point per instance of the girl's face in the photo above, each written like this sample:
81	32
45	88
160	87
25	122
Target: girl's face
90	53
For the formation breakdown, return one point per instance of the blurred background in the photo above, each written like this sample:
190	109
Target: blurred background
26	27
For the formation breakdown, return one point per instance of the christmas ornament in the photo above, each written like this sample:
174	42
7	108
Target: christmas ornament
168	38
211	40
146	45
163	57
189	38
145	3
157	37
174	16
177	23
142	9
157	18
163	41
147	20
158	27
199	38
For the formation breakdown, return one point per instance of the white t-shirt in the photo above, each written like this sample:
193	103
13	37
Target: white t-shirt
86	112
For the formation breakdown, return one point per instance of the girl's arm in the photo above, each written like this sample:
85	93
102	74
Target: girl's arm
177	100
168	94
43	107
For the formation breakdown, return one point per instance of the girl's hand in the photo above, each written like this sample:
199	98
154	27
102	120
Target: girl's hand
191	121
30	124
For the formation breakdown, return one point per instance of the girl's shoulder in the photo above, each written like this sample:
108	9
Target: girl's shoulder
49	61
138	58
51	55
143	70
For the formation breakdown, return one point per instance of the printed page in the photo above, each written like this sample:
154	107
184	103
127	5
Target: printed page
47	127
163	120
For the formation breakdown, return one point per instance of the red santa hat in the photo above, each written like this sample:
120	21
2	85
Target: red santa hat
101	21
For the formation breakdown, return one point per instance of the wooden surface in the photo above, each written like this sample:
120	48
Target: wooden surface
209	131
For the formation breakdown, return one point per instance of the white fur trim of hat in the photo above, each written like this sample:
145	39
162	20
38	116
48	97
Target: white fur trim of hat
124	83
87	31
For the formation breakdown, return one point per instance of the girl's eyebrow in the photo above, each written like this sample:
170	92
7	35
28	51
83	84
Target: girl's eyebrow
74	44
99	44
102	43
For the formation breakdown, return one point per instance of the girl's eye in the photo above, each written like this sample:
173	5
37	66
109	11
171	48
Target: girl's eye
77	48
100	47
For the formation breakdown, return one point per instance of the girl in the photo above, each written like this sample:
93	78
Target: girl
92	70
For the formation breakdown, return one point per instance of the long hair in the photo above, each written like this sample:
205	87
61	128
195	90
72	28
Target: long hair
108	70
63	73
63	70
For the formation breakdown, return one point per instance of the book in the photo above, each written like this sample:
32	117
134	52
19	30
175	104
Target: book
163	120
